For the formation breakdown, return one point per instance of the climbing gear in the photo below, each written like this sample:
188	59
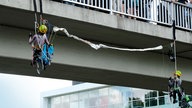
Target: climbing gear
41	12
35	11
41	15
174	45
171	52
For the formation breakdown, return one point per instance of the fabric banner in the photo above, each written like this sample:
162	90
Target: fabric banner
98	46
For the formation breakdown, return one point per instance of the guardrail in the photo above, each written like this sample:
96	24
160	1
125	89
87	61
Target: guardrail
157	11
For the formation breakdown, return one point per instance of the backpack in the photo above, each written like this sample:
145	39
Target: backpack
47	54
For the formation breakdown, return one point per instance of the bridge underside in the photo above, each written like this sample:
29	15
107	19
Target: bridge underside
69	72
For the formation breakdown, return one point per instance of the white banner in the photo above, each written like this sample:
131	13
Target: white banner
98	46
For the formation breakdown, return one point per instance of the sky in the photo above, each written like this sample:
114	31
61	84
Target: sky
18	91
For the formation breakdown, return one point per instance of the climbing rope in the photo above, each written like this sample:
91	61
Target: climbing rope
35	11
174	45
41	12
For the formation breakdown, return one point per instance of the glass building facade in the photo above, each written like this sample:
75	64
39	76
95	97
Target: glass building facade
111	97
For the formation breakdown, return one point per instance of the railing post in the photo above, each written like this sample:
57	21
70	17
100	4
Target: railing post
111	6
173	12
158	98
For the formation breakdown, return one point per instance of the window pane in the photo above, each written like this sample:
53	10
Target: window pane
103	99
83	100
56	102
74	100
65	101
151	102
93	98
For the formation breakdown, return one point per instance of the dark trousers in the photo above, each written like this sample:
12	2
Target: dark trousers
36	54
178	93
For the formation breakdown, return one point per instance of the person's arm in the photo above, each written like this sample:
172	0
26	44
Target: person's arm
31	39
169	89
179	82
46	40
169	84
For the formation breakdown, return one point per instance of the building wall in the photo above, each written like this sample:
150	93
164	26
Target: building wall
110	97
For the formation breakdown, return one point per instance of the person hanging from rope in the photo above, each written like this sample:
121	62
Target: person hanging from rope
37	41
177	87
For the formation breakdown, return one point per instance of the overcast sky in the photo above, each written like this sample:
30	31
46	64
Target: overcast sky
24	91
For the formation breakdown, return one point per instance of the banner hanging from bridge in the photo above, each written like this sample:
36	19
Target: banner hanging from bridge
98	46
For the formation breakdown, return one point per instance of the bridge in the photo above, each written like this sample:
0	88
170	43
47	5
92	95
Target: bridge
74	60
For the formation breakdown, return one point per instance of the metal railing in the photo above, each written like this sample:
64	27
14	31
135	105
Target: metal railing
157	11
